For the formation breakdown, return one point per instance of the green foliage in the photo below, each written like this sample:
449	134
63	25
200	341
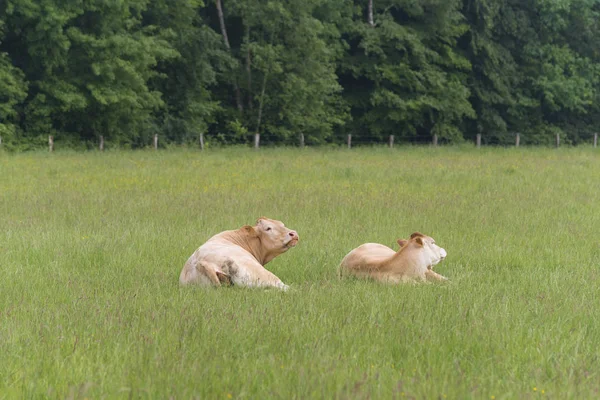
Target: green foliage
13	90
127	70
531	74
404	73
88	65
286	60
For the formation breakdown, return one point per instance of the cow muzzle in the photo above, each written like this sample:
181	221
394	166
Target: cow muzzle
292	239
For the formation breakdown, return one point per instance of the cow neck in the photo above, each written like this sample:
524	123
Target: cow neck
250	243
393	259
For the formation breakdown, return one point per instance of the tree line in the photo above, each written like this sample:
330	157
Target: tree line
227	69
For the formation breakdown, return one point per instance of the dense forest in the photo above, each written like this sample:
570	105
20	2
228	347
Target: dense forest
227	69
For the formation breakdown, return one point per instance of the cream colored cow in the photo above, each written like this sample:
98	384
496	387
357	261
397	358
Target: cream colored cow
414	260
238	257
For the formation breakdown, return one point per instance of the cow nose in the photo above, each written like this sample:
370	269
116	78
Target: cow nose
293	234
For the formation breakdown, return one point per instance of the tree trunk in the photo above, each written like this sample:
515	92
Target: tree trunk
262	98
371	13
249	68
238	96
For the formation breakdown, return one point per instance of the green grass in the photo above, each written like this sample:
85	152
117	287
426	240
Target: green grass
91	246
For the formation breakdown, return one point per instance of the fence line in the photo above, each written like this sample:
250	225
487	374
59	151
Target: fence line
349	141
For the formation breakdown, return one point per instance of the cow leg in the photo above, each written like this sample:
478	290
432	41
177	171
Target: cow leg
279	285
435	276
199	272
269	281
208	271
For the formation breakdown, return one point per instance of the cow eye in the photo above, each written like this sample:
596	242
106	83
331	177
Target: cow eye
268	229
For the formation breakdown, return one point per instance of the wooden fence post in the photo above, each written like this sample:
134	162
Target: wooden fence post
518	140
202	141
391	141
435	140
302	140
595	140
349	141
155	141
557	140
256	140
101	145
478	140
50	144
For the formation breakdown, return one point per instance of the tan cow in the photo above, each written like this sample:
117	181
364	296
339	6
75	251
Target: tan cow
238	257
414	260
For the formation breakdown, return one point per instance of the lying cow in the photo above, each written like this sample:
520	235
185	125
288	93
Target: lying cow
414	260
238	257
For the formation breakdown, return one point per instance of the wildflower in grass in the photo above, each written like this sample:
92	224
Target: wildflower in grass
535	389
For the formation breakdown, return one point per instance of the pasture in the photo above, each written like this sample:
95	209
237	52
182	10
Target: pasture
92	244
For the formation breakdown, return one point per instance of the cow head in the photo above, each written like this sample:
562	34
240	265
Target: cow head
431	252
275	238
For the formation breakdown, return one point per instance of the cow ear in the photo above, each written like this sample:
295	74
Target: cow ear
259	219
416	234
402	242
419	240
250	230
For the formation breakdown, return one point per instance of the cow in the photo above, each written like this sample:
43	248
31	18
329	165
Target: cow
237	257
413	262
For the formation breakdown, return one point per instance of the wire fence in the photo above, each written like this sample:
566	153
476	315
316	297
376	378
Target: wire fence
351	141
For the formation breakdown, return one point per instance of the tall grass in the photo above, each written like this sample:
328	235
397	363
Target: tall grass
91	246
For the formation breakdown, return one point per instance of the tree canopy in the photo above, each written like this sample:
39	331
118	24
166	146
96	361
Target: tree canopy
227	69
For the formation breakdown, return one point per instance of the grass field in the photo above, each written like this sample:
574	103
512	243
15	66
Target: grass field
91	246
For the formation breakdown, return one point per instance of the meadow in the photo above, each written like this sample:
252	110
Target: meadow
92	244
